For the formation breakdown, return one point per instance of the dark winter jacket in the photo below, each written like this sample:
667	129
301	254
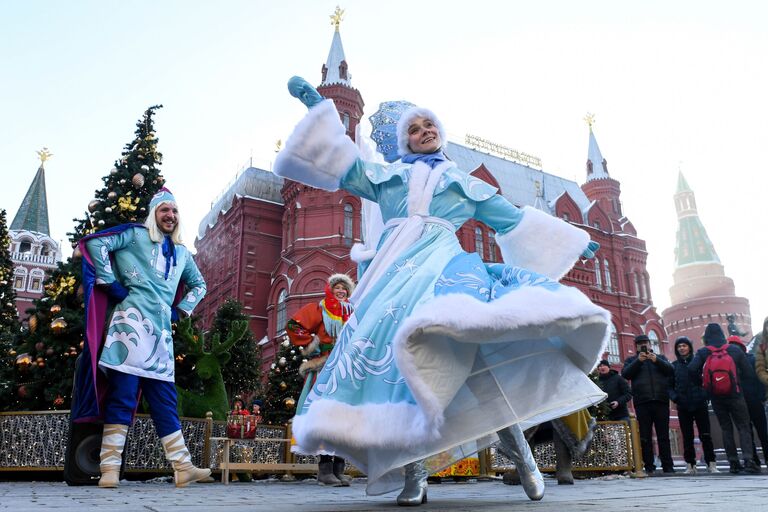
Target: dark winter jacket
650	381
717	339
618	390
754	390
683	389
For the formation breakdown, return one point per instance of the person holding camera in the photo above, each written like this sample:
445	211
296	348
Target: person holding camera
649	375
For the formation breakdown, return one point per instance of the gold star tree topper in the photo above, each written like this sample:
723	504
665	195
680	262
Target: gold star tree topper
44	155
337	17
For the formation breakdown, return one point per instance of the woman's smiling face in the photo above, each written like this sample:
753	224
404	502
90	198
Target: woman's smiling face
423	136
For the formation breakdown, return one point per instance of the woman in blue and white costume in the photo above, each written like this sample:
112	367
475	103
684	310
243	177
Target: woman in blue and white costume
442	351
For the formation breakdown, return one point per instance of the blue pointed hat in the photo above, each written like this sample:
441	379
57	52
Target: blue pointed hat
162	196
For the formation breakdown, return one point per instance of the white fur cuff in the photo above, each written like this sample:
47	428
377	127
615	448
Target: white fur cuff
543	243
361	253
318	152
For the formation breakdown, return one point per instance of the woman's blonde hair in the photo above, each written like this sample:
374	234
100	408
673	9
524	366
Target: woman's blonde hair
155	233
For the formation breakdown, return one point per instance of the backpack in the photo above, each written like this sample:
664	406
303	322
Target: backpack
720	377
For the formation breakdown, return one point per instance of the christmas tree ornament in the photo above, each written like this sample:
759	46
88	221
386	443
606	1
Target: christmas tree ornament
138	180
282	361
145	168
122	181
32	322
285	343
290	403
101	222
113	170
58	401
283	386
22	360
22	391
58	325
108	209
49	352
39	346
41	363
112	194
93	205
55	309
11	352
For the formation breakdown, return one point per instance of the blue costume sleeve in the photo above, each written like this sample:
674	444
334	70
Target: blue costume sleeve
357	182
498	213
100	247
196	287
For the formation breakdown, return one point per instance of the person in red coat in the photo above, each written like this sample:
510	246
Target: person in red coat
314	329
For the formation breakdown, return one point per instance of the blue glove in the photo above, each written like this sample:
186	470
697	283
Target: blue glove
590	251
174	314
300	88
116	291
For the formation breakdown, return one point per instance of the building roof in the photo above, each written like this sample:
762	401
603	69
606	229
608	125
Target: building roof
335	57
252	182
33	212
518	181
693	245
595	157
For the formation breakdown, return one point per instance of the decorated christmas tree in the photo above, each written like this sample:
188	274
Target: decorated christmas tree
284	385
47	349
9	321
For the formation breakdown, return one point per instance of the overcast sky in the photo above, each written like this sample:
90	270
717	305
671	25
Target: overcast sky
673	85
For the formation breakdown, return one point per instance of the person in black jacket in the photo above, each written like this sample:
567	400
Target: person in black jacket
754	394
617	390
649	374
692	406
730	409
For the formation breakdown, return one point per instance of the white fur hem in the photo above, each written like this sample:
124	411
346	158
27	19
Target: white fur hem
543	243
375	425
360	253
318	152
524	314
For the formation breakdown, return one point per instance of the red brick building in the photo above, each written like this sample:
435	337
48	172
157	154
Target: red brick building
272	243
701	293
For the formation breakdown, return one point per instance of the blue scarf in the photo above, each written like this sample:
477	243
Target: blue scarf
169	251
431	159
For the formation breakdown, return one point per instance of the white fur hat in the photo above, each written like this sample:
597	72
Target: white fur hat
343	279
405	121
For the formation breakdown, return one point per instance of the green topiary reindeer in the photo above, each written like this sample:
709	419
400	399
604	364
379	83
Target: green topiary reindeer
208	368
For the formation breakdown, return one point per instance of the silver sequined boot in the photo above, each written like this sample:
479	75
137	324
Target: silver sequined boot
516	447
415	491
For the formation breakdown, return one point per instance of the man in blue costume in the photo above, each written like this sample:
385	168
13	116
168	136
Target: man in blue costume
150	279
443	353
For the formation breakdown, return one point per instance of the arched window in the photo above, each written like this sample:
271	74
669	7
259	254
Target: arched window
345	121
348	210
280	318
598	274
45	250
491	248
36	278
654	341
614	354
25	246
479	243
637	285
647	288
607	270
20	279
642	289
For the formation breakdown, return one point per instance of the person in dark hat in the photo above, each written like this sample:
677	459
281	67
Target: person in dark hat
692	406
754	395
617	389
730	409
649	374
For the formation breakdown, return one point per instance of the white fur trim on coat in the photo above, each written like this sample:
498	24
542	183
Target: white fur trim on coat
318	152
360	253
543	243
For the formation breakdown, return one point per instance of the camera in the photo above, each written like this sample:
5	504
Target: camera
644	349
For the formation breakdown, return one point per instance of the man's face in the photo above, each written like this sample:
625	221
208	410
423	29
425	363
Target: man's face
167	217
603	369
683	349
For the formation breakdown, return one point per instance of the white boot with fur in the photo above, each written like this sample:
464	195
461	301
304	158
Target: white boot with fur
184	472
111	455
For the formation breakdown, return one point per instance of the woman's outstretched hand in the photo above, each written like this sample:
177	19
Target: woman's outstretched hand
300	88
590	251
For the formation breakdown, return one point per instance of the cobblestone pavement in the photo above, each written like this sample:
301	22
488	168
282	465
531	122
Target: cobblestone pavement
679	493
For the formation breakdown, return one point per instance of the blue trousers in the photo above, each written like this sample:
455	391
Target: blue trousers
122	396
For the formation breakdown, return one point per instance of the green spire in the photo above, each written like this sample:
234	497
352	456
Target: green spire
693	244
33	212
